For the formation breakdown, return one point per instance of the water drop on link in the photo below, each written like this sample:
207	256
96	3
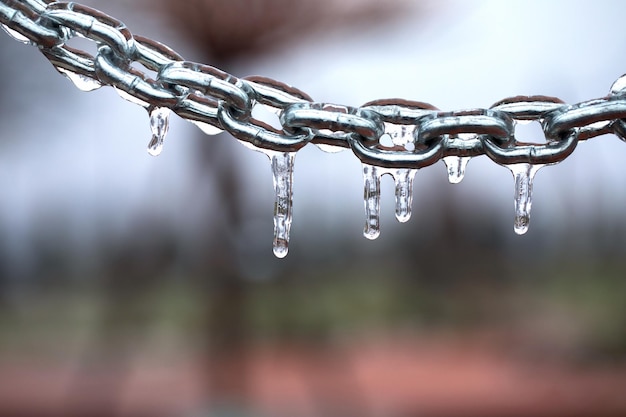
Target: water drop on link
404	193
206	128
456	167
619	85
371	196
159	124
329	148
82	82
130	98
282	171
523	175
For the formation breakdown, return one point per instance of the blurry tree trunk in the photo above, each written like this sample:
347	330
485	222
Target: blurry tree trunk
225	29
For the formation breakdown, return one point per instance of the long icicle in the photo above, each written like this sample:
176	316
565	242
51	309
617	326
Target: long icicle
404	193
282	171
523	175
371	198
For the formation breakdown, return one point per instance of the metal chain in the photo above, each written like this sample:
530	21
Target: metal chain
217	101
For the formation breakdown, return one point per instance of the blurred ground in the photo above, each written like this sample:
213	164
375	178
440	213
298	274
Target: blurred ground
134	286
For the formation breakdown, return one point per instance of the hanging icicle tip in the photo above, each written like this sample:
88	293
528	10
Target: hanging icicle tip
159	124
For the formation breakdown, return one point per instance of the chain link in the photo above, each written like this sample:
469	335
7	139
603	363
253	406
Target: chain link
216	101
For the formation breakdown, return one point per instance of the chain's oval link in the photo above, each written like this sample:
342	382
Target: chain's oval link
515	153
152	54
592	118
260	134
274	93
93	24
210	81
23	21
136	84
478	122
528	108
333	124
399	111
416	159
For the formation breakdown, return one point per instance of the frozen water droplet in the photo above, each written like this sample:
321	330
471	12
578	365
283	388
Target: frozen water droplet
329	148
206	128
404	193
456	167
523	175
371	196
619	85
282	170
81	82
131	98
15	34
159	124
386	141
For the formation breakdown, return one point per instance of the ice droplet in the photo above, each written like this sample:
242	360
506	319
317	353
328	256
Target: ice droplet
371	197
80	81
159	124
619	85
329	148
404	193
456	167
15	34
523	175
126	96
282	170
206	128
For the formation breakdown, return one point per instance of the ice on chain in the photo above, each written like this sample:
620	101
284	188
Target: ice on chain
80	81
206	128
404	193
16	35
371	197
282	170
159	124
329	148
523	175
456	167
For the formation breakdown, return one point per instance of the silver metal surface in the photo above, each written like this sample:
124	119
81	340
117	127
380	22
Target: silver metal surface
209	97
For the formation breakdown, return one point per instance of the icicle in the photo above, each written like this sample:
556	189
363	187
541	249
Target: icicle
15	35
456	167
404	193
80	81
159	124
523	175
282	170
371	180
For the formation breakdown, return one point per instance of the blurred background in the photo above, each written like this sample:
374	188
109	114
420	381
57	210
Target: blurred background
140	286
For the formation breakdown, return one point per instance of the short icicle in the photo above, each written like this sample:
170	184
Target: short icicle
404	193
82	82
523	174
456	167
282	171
371	181
159	124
